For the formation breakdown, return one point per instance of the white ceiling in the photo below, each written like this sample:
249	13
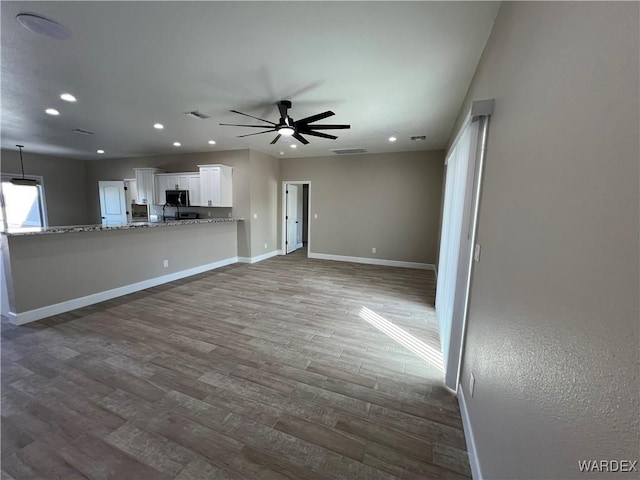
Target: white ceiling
380	66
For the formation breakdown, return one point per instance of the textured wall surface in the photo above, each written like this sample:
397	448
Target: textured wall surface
265	176
387	201
48	269
553	330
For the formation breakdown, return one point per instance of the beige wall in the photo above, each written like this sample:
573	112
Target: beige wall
48	269
387	201
265	174
64	184
553	334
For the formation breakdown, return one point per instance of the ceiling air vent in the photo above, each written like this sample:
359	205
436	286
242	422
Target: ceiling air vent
419	138
82	132
196	114
348	151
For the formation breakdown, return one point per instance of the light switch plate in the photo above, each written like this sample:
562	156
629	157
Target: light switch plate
472	384
476	252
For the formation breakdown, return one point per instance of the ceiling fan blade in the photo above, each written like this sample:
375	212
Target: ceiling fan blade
326	127
238	125
258	133
315	118
257	118
275	139
300	138
318	134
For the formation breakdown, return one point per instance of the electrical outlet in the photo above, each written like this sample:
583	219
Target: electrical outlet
315	216
255	216
165	263
265	245
472	384
374	250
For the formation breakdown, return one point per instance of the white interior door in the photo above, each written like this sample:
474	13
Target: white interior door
292	218
113	206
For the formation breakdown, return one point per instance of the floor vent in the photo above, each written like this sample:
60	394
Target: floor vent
348	151
196	114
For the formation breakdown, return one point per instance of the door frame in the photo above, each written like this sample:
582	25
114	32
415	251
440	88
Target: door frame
283	214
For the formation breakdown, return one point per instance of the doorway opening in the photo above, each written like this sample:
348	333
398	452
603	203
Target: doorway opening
296	227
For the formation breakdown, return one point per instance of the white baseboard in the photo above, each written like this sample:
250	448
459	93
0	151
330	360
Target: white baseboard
259	258
474	461
43	312
372	261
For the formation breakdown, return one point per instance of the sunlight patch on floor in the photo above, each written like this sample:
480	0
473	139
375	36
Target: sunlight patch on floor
418	347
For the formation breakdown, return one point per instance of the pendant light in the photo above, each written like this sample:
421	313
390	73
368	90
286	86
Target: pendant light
23	181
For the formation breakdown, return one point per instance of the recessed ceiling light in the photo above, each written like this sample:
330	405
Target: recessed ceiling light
392	139
212	142
293	145
52	111
158	126
281	153
176	144
43	26
100	151
67	97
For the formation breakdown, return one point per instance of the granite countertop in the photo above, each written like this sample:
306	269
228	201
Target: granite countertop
127	226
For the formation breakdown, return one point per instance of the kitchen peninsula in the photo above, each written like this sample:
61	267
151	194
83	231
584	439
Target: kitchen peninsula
53	270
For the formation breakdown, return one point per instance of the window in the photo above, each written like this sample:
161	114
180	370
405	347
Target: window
23	206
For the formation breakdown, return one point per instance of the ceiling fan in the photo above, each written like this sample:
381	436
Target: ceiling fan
288	127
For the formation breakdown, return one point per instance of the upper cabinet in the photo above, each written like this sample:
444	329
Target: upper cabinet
145	183
216	189
178	181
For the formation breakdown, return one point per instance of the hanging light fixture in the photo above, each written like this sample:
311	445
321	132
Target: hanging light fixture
23	181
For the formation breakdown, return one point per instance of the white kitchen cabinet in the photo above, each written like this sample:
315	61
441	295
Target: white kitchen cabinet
193	182
178	181
216	188
145	182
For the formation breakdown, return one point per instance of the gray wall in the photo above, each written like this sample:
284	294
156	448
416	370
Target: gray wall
553	327
48	269
387	201
265	174
64	184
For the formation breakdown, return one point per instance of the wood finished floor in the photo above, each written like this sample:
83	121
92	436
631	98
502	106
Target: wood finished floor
263	371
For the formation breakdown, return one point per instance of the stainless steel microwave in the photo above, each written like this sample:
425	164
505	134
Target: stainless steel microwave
179	198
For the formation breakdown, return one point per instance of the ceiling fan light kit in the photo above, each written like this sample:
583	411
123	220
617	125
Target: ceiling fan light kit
288	127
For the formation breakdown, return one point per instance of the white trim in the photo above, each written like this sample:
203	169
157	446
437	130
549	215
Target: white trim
259	258
373	261
472	452
479	108
299	245
55	309
284	213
